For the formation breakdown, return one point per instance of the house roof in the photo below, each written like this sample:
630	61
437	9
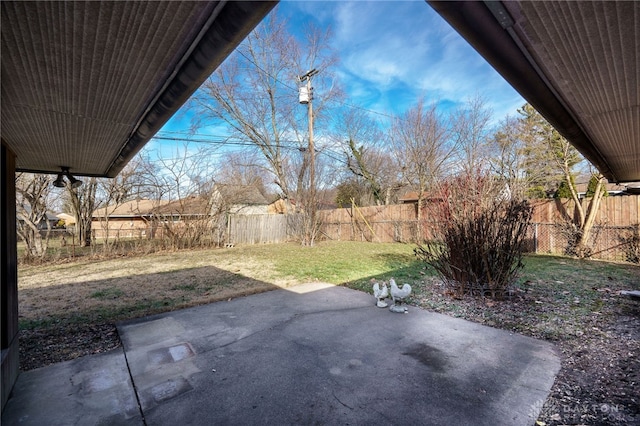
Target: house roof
186	206
85	84
241	194
412	196
27	209
611	188
576	62
133	208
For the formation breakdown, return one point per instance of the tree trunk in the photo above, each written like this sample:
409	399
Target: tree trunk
83	200
33	191
582	247
419	227
84	232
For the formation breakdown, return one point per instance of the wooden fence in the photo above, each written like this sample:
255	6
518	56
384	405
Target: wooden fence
395	223
258	229
616	221
613	211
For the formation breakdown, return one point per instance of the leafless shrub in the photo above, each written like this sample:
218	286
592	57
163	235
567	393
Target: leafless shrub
480	236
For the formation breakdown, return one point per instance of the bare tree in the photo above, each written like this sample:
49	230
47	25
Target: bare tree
82	202
114	192
243	168
33	192
151	177
548	150
471	129
566	156
255	93
365	157
507	159
422	146
97	193
185	213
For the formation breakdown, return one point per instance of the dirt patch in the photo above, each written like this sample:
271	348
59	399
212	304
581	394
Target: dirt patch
39	348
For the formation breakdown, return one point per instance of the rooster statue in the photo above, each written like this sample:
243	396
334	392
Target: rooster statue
398	295
380	294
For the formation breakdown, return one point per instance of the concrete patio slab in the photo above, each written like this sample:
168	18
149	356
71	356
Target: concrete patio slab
319	354
92	390
311	354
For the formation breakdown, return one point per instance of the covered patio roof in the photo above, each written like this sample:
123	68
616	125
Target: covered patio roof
86	84
576	62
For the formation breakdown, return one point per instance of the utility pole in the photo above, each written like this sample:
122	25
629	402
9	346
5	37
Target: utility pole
306	97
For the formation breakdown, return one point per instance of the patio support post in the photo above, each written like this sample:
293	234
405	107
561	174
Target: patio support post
8	274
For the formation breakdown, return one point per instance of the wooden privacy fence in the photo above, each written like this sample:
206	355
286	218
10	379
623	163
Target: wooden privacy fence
606	242
616	223
258	229
613	211
394	223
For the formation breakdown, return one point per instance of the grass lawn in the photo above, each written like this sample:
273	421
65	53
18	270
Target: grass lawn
87	290
68	308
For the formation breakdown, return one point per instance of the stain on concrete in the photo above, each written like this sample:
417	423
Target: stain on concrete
170	354
170	389
432	357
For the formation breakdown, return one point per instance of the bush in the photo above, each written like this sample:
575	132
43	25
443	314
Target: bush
480	237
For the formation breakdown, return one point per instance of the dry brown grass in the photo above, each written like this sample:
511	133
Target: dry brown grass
69	307
140	285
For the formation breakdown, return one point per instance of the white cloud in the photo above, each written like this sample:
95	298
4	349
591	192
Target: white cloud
395	52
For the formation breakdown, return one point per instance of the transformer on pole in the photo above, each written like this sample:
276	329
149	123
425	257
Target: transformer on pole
305	98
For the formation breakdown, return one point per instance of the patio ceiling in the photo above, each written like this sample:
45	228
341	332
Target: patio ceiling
86	84
576	62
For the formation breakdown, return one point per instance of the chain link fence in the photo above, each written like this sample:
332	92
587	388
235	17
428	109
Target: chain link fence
618	243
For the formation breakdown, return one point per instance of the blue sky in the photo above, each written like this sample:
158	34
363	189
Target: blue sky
394	52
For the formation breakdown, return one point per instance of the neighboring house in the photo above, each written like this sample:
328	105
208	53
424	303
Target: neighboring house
411	197
281	206
428	202
145	218
69	220
51	218
240	199
612	189
327	205
190	208
127	220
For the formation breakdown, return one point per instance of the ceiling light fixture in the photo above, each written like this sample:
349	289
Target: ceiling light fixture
59	182
73	181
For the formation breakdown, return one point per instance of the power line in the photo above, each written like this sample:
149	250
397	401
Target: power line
295	89
290	145
330	100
